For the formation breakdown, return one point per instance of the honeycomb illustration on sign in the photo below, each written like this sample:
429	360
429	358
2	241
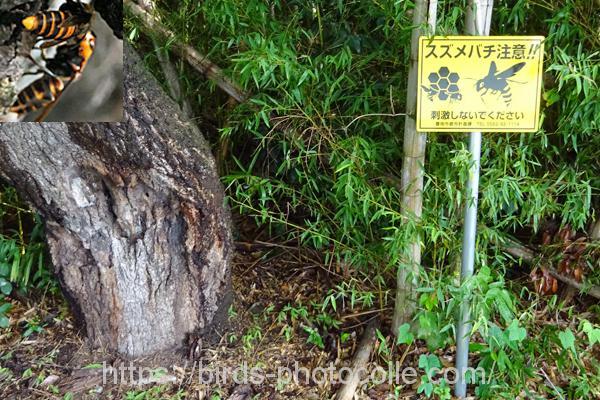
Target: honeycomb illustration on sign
443	84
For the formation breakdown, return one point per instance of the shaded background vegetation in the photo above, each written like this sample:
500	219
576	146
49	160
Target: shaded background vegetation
308	158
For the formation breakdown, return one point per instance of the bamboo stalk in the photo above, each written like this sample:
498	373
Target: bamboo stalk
595	231
197	60
412	172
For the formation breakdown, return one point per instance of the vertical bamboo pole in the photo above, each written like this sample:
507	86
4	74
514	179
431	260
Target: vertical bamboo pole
424	19
478	20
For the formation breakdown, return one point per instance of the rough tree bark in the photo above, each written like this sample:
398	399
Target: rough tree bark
135	221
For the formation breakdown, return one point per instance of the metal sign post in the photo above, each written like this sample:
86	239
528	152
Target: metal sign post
478	21
475	84
463	326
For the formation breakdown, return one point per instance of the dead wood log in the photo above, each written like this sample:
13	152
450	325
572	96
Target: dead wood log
526	254
359	363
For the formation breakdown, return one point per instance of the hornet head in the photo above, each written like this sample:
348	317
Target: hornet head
480	85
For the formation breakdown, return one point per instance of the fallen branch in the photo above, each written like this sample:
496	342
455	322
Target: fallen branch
526	254
359	363
242	392
193	57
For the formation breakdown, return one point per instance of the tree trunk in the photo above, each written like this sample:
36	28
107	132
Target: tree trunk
135	222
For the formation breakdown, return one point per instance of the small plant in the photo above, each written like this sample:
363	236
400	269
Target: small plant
231	313
252	336
232	338
383	348
593	333
22	262
404	335
288	332
32	326
428	362
442	390
314	337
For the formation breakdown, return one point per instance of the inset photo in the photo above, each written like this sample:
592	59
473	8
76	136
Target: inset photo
61	61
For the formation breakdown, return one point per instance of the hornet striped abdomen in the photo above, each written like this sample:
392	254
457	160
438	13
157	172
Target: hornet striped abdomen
66	66
38	94
70	20
70	59
67	31
49	25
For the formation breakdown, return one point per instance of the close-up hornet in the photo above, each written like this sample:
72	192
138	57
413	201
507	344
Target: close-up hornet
60	71
54	74
70	59
71	19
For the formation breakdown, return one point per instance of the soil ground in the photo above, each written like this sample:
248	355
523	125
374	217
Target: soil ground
44	356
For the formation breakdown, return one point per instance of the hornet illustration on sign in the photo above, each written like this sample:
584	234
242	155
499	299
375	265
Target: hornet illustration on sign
498	82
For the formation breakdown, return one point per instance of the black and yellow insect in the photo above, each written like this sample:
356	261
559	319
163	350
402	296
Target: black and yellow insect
70	59
71	19
37	95
63	69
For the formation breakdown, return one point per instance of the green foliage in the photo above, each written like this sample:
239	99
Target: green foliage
404	335
22	257
322	175
4	309
428	362
567	340
314	337
592	333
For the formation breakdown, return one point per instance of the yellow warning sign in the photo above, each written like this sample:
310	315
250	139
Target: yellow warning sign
479	83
